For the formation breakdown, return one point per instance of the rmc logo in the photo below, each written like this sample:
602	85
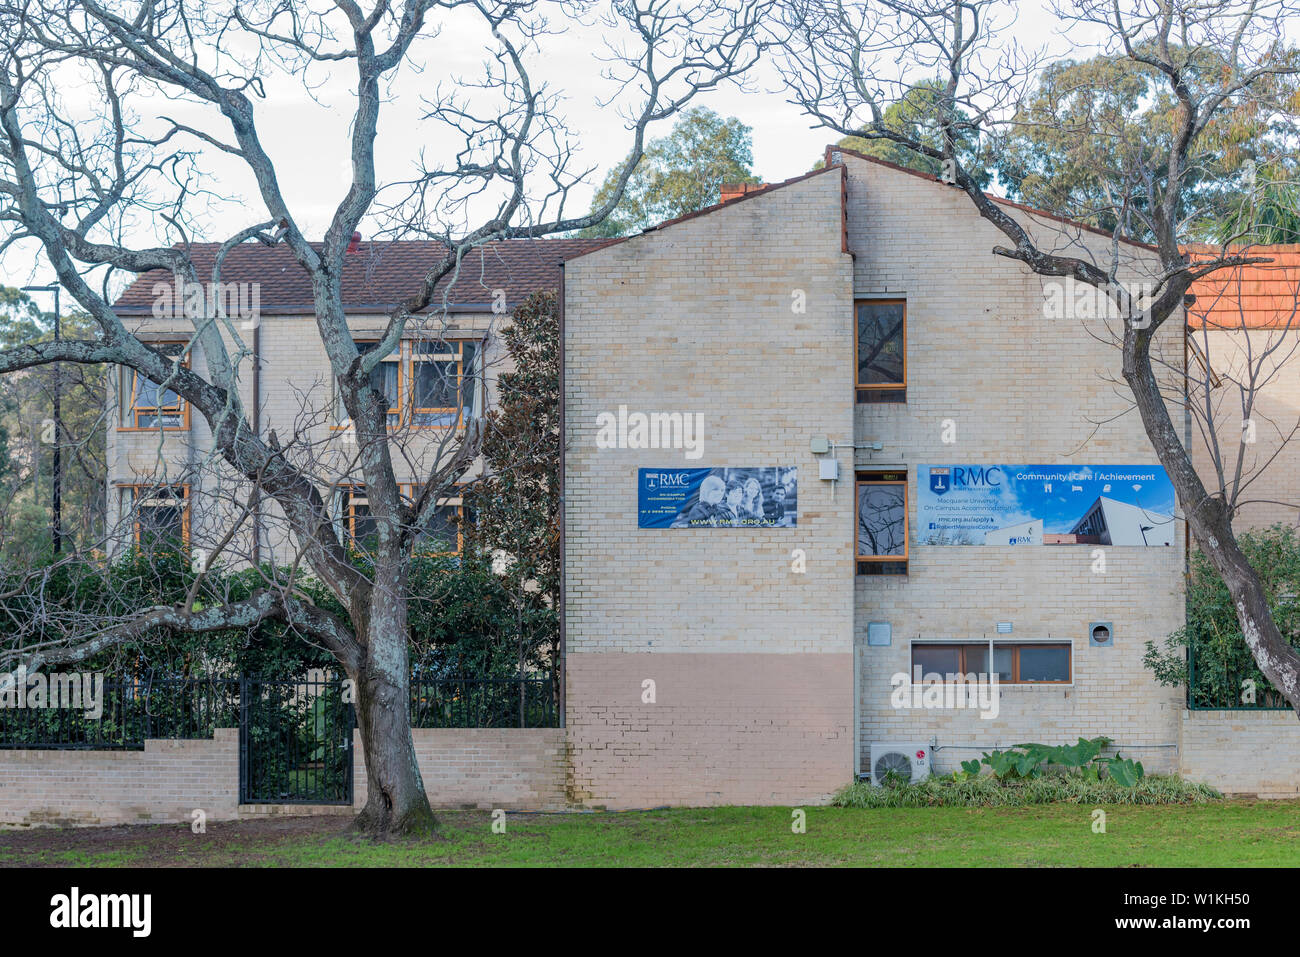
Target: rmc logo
965	477
654	480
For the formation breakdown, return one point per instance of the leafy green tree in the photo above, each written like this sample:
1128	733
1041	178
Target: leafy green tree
1212	638
1084	141
1266	210
679	173
517	505
27	424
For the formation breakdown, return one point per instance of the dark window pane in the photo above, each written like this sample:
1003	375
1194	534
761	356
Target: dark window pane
882	519
977	659
1044	663
435	384
440	533
942	660
880	343
1002	655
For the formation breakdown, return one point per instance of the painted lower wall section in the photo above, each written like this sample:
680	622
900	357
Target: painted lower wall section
519	769
1242	752
724	728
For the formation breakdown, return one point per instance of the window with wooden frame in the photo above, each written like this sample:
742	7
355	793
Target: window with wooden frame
357	525
429	383
445	382
385	378
882	523
1017	663
160	515
150	405
444	533
880	350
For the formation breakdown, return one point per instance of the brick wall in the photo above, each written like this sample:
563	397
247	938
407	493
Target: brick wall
163	784
515	768
1018	388
1269	461
751	661
1242	752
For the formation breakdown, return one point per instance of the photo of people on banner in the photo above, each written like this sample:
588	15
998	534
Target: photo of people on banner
718	498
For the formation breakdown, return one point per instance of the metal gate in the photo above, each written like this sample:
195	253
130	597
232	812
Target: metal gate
295	741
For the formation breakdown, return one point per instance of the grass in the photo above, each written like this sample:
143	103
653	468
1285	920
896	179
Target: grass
1220	833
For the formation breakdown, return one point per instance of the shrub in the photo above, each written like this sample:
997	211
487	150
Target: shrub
1212	635
989	791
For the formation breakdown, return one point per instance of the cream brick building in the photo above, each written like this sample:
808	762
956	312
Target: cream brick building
160	470
766	686
759	664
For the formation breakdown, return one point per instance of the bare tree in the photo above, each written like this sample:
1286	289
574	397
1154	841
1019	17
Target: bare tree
83	178
843	68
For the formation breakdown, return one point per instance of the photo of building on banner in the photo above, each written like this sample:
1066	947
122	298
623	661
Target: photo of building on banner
717	498
1044	505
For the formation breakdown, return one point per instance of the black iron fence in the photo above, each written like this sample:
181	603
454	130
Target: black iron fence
117	713
1230	681
482	703
127	711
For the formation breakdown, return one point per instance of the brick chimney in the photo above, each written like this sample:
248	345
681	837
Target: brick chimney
732	190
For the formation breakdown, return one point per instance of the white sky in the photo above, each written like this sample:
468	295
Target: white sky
308	140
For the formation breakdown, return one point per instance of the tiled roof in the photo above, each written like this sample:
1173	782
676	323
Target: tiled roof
1256	296
379	274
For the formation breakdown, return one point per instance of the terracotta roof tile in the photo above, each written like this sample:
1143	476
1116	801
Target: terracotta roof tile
1256	296
379	274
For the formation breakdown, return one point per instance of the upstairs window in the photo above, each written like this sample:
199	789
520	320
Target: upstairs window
444	383
428	384
880	350
149	405
882	523
385	378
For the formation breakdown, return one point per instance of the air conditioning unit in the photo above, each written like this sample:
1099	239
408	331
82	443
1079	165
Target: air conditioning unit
909	762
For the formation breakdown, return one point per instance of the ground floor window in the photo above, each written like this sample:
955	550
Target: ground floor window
443	534
1013	662
160	515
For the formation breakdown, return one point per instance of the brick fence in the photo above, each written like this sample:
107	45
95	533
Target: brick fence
512	768
1242	752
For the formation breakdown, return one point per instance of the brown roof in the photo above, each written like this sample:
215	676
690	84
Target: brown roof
379	274
1253	296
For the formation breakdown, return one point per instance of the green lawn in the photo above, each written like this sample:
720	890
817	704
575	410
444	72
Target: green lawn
1229	833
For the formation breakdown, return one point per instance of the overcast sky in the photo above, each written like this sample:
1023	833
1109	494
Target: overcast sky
307	137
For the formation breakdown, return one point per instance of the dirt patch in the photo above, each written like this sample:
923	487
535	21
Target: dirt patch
165	845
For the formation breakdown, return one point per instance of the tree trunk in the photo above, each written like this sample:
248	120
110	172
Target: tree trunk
1210	521
395	800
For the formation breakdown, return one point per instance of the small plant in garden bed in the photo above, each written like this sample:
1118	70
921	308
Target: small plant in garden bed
1032	760
962	790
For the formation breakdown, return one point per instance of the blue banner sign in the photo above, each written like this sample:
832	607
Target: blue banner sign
717	498
1044	505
